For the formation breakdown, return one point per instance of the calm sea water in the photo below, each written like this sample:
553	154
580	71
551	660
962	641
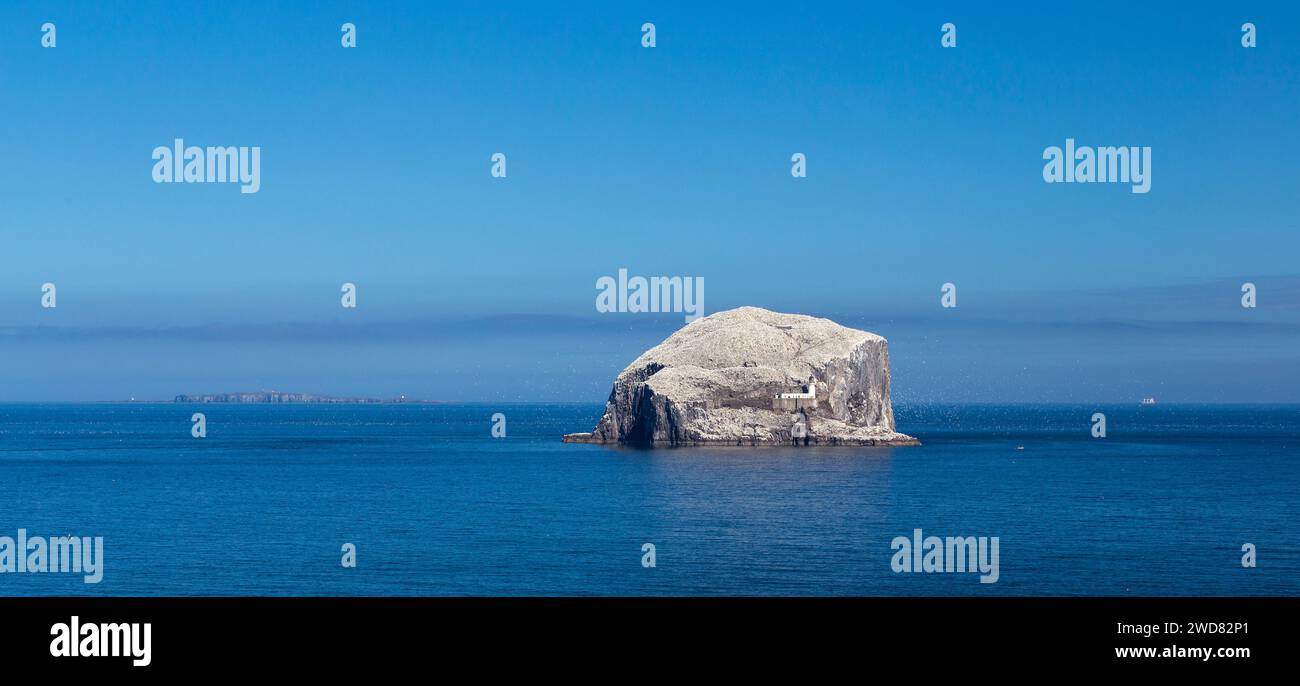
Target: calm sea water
436	506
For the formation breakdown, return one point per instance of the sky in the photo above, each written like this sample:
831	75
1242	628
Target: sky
924	167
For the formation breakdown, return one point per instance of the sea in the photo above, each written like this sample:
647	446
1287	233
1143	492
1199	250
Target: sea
1175	500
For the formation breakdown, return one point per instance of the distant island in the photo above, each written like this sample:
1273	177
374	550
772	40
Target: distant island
276	397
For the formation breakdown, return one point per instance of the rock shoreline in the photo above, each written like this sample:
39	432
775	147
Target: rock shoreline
821	441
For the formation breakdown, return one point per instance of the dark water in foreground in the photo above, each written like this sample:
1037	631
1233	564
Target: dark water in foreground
435	506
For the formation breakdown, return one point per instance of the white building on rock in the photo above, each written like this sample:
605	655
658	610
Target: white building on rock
805	399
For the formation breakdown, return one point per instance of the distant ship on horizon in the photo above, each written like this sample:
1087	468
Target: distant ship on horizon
1148	401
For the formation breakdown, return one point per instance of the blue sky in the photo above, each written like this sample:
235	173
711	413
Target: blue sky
924	167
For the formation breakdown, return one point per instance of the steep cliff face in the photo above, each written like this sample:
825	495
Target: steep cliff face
714	381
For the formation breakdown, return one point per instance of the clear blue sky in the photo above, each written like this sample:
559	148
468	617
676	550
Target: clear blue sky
924	167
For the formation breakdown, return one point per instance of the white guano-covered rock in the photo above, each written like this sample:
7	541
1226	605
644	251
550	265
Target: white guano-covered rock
714	381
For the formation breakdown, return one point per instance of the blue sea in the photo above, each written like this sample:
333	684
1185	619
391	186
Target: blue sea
436	506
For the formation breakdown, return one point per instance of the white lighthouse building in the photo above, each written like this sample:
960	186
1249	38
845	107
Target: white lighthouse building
807	398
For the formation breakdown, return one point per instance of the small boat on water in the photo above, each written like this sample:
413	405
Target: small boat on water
1148	401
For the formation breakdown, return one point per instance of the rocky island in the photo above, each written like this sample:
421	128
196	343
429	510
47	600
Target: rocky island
750	376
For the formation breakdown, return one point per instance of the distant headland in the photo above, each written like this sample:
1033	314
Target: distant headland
276	397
